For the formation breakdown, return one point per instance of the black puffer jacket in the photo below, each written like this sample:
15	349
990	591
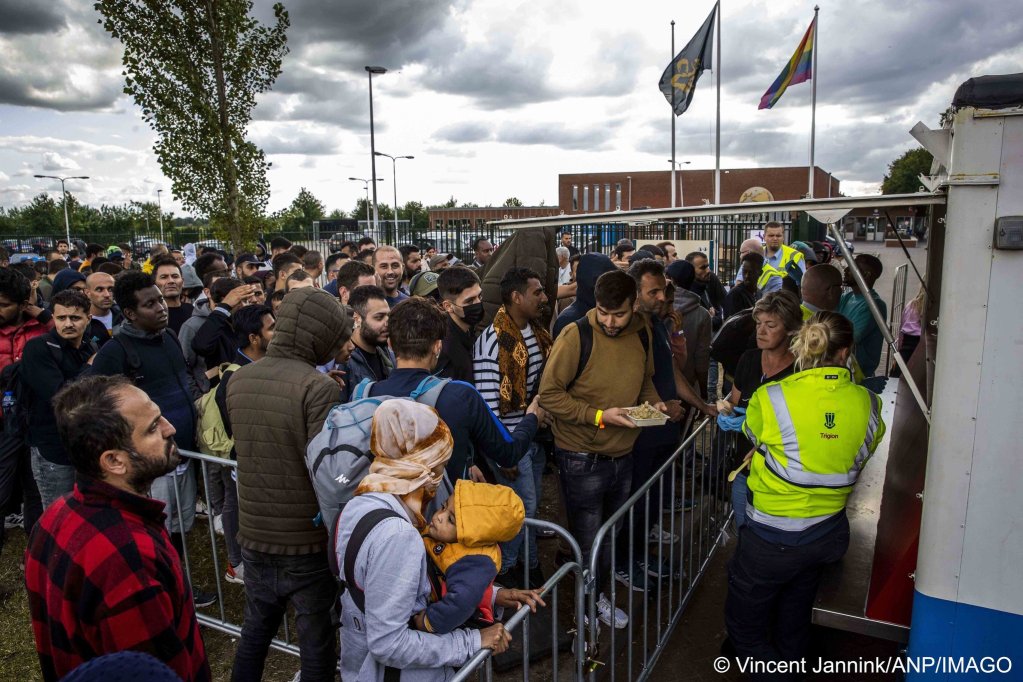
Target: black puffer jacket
276	406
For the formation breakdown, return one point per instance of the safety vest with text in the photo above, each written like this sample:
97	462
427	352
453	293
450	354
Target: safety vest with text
813	431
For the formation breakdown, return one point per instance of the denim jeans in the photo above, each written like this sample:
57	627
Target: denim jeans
229	515
527	486
771	590
593	488
52	480
272	583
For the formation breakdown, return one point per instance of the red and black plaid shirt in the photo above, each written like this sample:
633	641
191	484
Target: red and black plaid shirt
102	577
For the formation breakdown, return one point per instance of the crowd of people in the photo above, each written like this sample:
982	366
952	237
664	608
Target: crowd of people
111	367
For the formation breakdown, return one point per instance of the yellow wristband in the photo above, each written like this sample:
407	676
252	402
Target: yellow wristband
599	418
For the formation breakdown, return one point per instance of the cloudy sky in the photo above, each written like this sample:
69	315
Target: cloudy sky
495	97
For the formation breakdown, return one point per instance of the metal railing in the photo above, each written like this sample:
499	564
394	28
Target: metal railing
693	483
221	623
895	312
480	663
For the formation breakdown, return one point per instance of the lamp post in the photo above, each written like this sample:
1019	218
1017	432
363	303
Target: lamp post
629	178
681	196
67	223
394	180
379	70
365	183
159	211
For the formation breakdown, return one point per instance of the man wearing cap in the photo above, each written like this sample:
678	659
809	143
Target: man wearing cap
246	265
425	284
440	261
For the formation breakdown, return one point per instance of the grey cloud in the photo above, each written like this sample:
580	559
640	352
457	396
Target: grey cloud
297	142
465	132
29	16
557	135
51	90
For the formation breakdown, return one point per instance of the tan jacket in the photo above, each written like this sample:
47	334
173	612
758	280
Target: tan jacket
617	375
276	406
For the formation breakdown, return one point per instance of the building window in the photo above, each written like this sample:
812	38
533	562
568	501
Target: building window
607	197
586	198
618	196
596	197
575	197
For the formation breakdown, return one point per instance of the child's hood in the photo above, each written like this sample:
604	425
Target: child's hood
486	514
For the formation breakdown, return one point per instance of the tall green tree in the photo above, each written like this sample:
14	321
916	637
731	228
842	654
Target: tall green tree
902	176
512	201
194	67
417	215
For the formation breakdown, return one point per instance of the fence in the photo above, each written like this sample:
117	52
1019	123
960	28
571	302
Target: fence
698	468
455	237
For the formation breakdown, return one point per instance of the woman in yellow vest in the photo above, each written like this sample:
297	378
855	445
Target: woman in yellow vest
813	432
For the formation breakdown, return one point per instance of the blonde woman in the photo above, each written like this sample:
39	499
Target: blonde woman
813	432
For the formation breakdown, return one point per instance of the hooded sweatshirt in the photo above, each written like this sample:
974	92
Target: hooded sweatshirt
696	323
276	406
64	279
485	515
591	267
617	375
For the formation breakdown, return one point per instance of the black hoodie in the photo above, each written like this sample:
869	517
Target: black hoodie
591	267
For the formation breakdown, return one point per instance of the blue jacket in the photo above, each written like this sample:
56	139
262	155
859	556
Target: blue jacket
474	427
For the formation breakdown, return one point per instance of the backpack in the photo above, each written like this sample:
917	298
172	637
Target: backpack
210	433
16	405
586	346
131	353
338	457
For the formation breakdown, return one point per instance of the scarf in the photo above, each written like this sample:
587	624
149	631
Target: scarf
411	445
513	360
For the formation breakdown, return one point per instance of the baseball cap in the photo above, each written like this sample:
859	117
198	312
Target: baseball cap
115	255
247	258
439	258
424	284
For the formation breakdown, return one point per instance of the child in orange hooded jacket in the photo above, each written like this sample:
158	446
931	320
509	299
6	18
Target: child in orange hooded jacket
462	541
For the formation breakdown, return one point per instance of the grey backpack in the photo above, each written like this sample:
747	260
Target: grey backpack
338	457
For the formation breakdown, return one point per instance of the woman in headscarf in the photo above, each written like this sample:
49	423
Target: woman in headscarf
387	577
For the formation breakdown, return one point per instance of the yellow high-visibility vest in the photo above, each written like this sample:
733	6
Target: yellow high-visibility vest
788	255
814	431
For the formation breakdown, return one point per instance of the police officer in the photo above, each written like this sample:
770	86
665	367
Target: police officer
813	432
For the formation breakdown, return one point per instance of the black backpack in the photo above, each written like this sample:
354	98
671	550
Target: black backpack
586	346
14	435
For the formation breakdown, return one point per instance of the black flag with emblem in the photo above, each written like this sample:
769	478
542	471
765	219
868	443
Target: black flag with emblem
679	80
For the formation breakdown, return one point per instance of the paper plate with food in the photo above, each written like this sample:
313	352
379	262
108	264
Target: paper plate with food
646	415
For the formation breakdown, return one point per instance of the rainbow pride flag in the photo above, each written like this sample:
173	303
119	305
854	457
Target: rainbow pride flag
798	69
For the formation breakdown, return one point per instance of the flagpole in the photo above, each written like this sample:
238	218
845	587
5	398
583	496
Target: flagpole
673	121
813	99
717	127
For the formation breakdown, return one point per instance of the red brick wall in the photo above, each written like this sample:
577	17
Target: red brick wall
652	188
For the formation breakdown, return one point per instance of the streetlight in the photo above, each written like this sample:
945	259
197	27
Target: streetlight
681	196
365	182
379	70
159	209
394	179
67	223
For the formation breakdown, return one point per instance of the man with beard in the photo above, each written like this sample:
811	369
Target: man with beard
168	279
387	265
49	362
100	570
143	350
371	359
593	433
350	275
412	262
99	287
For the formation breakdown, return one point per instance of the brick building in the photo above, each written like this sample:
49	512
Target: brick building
477	218
601	192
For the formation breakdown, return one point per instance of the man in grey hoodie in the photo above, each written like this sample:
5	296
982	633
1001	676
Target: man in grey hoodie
696	324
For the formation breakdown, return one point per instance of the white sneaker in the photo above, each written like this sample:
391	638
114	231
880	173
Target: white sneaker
659	536
605	611
235	574
12	521
200	508
218	524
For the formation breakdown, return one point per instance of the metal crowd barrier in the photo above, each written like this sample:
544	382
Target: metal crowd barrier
693	481
480	663
221	623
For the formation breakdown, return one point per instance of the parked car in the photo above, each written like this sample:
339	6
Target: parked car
141	246
339	238
834	245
